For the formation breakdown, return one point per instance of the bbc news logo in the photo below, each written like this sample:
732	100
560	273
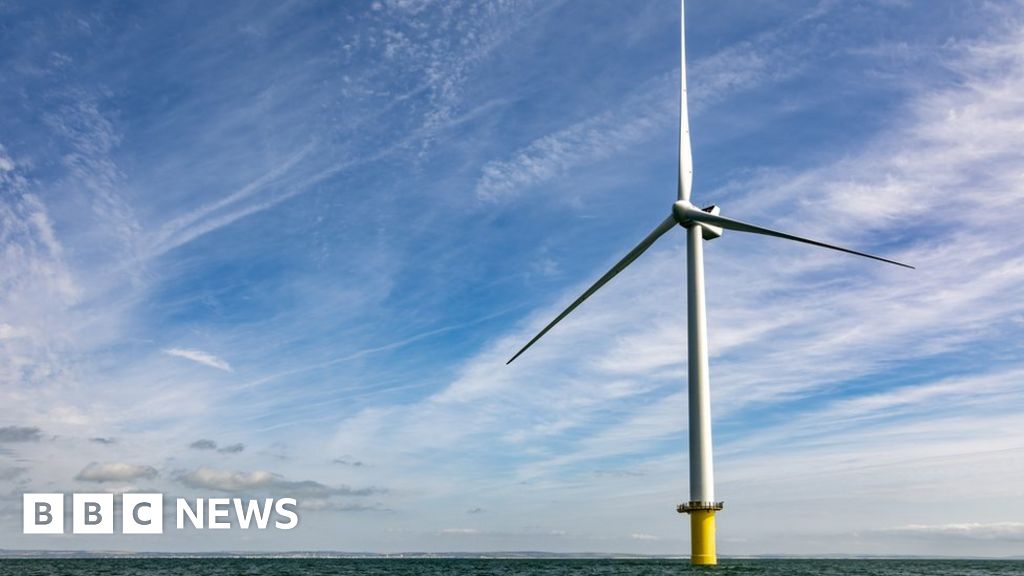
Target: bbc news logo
144	513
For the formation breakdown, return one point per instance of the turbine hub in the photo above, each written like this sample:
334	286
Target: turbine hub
682	210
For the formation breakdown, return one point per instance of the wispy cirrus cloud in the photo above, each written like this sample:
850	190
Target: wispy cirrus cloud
199	357
267	188
585	142
647	110
396	34
6	164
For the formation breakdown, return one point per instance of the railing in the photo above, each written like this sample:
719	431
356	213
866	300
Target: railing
688	507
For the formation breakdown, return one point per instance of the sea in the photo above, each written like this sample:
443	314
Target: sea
497	567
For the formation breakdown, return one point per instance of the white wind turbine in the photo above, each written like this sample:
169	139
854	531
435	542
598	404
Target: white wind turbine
700	224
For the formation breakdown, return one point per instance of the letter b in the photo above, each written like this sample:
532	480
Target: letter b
43	511
92	514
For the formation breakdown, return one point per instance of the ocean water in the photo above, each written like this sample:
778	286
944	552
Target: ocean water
492	567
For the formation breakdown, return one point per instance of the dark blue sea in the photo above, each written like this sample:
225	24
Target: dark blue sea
492	567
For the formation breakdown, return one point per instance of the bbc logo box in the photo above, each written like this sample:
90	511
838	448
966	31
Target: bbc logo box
93	514
43	514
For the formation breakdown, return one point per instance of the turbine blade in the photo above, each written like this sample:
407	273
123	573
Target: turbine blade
635	253
685	155
730	224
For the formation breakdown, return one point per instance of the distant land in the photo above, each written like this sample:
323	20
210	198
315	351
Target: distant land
526	555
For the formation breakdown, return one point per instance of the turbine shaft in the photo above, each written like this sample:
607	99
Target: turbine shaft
635	253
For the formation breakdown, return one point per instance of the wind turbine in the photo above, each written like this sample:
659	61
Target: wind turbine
701	224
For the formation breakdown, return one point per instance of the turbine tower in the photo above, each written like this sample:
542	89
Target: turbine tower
701	224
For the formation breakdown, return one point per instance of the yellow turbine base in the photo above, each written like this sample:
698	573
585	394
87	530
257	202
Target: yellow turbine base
702	538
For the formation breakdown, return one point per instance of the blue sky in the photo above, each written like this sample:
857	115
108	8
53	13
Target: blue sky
286	248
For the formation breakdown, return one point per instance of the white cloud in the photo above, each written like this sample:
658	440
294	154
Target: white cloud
262	480
115	472
460	531
985	531
199	357
229	481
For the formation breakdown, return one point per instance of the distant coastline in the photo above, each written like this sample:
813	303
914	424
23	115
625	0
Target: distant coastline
525	555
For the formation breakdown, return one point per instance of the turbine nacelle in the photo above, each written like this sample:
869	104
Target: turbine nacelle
683	210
